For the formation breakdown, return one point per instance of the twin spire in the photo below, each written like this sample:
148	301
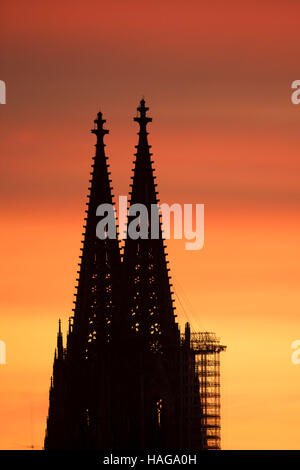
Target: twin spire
123	309
147	305
142	119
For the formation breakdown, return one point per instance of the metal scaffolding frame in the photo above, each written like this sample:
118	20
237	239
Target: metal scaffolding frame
205	351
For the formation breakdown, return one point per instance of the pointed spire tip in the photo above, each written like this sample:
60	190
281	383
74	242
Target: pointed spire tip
98	126
142	119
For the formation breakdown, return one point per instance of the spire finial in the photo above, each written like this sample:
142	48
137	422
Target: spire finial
98	127
142	119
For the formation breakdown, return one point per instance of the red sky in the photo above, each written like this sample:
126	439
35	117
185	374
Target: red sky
217	78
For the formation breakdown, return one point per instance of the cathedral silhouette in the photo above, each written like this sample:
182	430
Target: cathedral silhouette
126	377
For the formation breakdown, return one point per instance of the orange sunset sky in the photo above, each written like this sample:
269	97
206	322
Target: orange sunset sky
217	76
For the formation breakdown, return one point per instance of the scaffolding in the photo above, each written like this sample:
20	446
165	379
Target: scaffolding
204	356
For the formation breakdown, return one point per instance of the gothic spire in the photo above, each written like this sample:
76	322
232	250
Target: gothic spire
149	299
81	378
100	260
